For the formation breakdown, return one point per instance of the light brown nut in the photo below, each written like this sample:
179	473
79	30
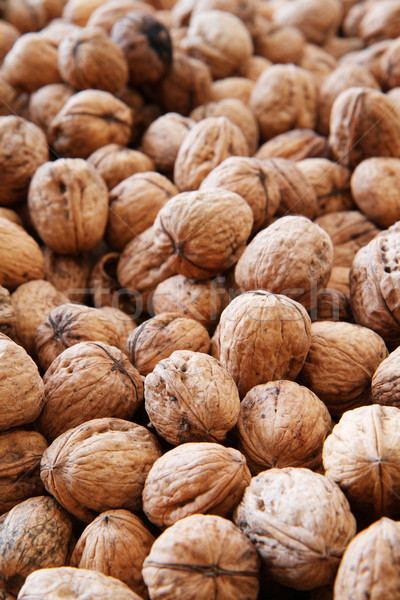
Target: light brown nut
20	454
318	62
116	163
23	148
74	582
158	337
11	215
134	204
68	274
99	465
362	456
339	46
296	144
24	16
306	16
56	29
190	397
277	43
282	424
385	382
7	316
331	182
162	139
218	477
202	555
251	179
87	381
370	58
47	101
69	324
380	21
300	522
390	74
103	283
340	364
22	389
183	10
332	305
115	544
369	566
89	59
236	87
88	120
68	205
293	256
206	145
8	35
123	323
284	98
253	67
190	230
262	337
34	534
106	15
8	97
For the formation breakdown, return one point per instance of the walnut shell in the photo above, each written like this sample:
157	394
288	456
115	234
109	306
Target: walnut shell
68	274
385	381
123	324
190	397
106	15
99	465
380	21
306	16
103	282
262	337
134	204
63	582
278	43
362	456
317	61
24	15
300	522
189	230
21	389
7	316
88	120
201	556
69	324
115	544
331	182
116	163
20	454
89	380
9	35
296	144
282	424
21	258
34	534
293	256
183	10
167	497
371	58
234	87
47	101
390	75
56	29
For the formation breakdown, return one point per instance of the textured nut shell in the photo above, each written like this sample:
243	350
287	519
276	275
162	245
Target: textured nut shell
190	397
282	424
69	324
11	215
99	465
370	564
87	381
67	274
201	556
115	163
162	139
385	382
182	11
239	88
318	62
21	387
7	316
189	229
115	544
123	323
34	534
9	34
45	103
305	15
103	282
56	584
20	454
331	183
362	456
21	258
262	337
293	145
106	14
370	57
203	478
277	43
300	523
380	21
31	303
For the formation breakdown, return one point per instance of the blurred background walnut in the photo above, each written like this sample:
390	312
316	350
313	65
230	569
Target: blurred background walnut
115	163
47	101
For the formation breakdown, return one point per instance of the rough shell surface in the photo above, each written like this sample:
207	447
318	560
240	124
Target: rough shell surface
21	258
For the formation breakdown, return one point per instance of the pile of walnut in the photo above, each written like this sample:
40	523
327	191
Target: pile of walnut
199	299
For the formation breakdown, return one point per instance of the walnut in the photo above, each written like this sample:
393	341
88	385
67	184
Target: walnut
134	204
254	352
220	39
31	63
99	465
68	205
293	256
34	534
300	522
79	11
339	46
89	59
352	18
390	74
8	96
56	29
202	555
317	61
232	87
88	120
295	145
385	381
183	10
237	112
20	454
333	304
106	15
75	583
8	36
277	43
116	544
26	16
352	139
200	300
362	456
47	101
284	97
253	67
31	303
165	495
369	564
157	338
380	21
116	163
123	324
103	282
370	58
306	16
68	274
189	230
21	258
69	324
340	364
282	424
23	148
331	182
7	316
11	215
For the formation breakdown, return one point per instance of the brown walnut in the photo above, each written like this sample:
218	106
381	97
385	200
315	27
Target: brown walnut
385	382
296	144
116	163
331	183
306	16
47	101
68	274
